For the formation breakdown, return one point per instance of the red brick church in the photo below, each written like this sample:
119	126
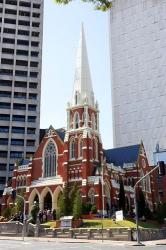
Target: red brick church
76	154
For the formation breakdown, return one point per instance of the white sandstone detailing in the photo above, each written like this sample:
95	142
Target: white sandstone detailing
84	182
66	136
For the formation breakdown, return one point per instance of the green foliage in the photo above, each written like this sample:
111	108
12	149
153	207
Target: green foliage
77	206
73	195
122	199
19	204
103	5
63	203
7	213
86	208
34	212
93	209
160	214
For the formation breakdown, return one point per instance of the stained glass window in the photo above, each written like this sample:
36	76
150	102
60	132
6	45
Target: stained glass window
50	160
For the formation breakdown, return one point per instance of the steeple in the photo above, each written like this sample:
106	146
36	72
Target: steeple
83	91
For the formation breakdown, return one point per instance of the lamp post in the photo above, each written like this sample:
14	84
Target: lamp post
102	197
135	200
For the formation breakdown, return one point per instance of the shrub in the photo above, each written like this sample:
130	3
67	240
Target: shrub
7	212
93	209
86	208
34	213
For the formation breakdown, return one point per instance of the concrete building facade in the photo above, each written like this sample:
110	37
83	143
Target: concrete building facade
138	44
21	28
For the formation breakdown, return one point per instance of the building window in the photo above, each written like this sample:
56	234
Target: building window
5	105
2	180
4	129
80	148
18	118
33	85
3	154
11	167
17	142
5	94
50	160
18	106
3	166
31	143
31	107
31	118
76	120
20	84
31	131
72	149
19	95
32	96
3	141
16	154
7	51
18	130
4	117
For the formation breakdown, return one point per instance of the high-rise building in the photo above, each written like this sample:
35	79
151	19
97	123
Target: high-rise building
21	27
138	47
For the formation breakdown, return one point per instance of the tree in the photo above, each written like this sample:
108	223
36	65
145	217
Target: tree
63	203
122	199
34	213
77	206
103	5
19	204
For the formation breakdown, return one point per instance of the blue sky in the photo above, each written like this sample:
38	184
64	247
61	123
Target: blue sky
61	32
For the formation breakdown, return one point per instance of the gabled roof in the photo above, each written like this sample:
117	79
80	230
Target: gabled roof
119	156
61	133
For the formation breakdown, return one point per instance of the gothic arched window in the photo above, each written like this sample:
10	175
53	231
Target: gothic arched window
72	149
50	160
80	147
76	120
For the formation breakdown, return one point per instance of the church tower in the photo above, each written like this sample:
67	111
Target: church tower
83	149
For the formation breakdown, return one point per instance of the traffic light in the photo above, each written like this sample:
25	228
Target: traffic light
161	168
13	194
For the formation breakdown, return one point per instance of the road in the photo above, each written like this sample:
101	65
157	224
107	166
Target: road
39	245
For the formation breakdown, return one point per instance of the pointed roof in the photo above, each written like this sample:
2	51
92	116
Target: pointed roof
83	91
122	155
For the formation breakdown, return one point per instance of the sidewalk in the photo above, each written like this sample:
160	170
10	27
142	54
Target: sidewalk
64	240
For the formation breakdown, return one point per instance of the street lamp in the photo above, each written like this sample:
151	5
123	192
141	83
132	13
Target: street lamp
161	168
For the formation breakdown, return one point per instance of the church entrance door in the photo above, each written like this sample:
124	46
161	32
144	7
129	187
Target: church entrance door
48	201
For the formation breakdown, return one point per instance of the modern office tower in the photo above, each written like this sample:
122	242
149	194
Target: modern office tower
21	27
138	51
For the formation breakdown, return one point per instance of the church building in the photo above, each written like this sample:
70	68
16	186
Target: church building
76	155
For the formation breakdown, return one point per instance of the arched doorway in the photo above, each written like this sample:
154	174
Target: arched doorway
48	201
36	199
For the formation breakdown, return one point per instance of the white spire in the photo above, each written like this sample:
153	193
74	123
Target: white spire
83	91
